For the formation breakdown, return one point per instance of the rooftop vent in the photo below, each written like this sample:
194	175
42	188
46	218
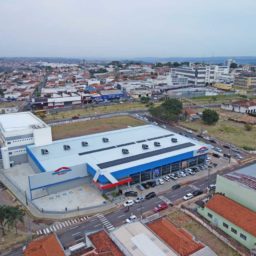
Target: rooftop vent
105	140
84	143
66	147
174	140
44	151
144	146
125	151
157	144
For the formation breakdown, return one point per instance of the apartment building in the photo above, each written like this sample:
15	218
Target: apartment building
198	76
246	80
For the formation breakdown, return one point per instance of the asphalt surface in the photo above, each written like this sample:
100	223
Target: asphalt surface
75	234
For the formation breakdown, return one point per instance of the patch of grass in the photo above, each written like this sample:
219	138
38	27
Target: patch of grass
226	130
218	99
95	110
181	220
93	126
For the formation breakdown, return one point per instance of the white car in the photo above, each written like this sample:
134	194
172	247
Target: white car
132	218
128	203
161	181
183	174
166	178
188	196
139	199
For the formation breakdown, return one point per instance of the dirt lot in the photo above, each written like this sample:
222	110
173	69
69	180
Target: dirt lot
93	126
11	239
226	130
88	111
180	219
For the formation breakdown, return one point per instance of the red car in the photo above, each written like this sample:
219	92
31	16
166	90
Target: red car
160	207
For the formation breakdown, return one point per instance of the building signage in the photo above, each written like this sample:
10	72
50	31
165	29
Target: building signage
202	150
61	171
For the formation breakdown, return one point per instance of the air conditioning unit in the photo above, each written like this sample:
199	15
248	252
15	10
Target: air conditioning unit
125	151
44	151
157	144
174	140
84	143
66	147
105	140
144	146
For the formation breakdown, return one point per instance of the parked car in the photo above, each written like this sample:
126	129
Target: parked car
131	193
183	174
161	207
140	187
145	185
226	146
139	199
173	177
128	203
166	178
176	186
132	218
161	181
150	195
152	183
217	149
188	196
211	187
197	192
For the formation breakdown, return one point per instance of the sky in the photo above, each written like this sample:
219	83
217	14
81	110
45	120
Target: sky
127	29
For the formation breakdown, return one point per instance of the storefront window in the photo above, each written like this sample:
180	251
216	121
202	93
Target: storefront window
146	175
192	162
135	178
156	172
166	169
201	159
175	167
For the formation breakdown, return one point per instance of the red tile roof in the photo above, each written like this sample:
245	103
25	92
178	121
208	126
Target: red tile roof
45	246
178	239
233	212
104	245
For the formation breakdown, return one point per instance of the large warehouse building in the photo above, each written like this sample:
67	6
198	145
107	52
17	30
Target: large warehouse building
114	158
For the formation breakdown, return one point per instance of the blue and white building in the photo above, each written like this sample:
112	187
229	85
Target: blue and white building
114	158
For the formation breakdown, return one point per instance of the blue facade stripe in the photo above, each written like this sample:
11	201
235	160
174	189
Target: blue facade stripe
35	160
140	168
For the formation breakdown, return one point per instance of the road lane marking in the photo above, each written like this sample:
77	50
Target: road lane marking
77	233
120	216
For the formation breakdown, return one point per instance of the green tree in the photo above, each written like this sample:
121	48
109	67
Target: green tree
9	216
233	65
210	116
169	110
144	99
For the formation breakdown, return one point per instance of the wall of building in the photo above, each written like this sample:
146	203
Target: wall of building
239	193
42	136
218	221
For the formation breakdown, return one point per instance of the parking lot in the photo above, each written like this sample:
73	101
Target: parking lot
174	181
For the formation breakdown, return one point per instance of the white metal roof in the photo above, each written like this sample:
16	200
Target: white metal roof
19	121
57	157
138	240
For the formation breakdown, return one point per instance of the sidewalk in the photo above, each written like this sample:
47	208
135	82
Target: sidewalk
35	212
